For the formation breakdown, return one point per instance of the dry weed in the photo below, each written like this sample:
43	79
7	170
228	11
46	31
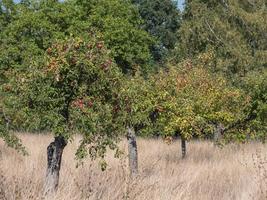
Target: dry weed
236	172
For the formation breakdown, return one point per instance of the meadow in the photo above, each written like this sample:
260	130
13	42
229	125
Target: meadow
207	173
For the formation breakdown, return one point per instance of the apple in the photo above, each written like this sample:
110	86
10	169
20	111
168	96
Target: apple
89	104
80	103
49	51
99	45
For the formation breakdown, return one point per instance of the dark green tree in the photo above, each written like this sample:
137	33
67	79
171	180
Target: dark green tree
120	24
7	13
162	20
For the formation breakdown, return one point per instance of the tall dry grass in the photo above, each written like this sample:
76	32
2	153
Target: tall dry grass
234	172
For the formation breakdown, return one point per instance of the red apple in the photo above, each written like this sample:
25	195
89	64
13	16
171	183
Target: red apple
99	45
89	104
49	51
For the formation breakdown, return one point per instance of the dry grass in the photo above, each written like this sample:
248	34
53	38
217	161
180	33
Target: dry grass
235	172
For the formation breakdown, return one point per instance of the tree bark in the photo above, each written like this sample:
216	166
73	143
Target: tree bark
54	156
132	150
218	132
183	145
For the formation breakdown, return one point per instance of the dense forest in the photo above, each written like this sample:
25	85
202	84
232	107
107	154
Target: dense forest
114	69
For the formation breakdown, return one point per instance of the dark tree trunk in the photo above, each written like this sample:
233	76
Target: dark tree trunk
218	132
54	156
132	150
183	145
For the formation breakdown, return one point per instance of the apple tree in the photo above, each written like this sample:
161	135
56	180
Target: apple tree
137	103
72	91
192	102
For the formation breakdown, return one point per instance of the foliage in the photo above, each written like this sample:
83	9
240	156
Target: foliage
10	139
228	38
72	91
137	102
255	122
191	101
162	20
120	24
30	33
35	27
7	12
233	33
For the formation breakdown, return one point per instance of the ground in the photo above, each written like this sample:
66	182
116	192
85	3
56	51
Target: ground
236	172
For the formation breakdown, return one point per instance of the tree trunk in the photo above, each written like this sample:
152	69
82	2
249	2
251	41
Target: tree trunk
183	145
218	132
54	156
132	150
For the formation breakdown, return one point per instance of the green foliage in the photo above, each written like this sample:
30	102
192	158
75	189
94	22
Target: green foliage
256	86
71	92
7	12
30	33
191	101
120	24
37	24
34	27
234	34
10	139
137	102
162	20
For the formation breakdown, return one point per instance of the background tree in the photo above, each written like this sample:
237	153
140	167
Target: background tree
120	24
162	20
234	32
7	13
254	123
